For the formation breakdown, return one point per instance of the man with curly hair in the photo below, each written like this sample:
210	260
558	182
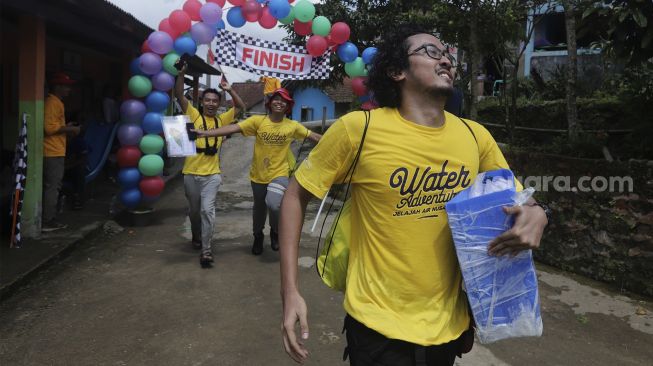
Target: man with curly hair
403	297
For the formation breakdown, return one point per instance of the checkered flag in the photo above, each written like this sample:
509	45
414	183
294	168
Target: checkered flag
228	43
20	178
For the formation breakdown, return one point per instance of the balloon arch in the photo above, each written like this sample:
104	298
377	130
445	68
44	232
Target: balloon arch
153	75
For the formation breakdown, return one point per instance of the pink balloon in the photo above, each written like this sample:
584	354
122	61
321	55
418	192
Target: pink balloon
237	2
164	26
303	29
219	2
267	21
192	8
340	32
179	21
316	45
252	10
151	186
358	86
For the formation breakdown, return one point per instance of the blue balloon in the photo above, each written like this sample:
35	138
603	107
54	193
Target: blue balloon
279	8
129	178
130	197
347	52
368	55
157	101
152	123
135	67
235	17
186	45
261	1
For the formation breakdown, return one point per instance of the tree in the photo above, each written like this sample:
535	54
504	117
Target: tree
572	70
628	36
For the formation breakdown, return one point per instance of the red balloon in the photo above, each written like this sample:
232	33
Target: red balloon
303	29
145	48
180	21
237	2
192	8
151	186
358	86
368	105
316	45
252	10
165	26
128	156
219	2
340	32
267	21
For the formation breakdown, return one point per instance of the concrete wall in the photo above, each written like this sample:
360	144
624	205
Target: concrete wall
315	99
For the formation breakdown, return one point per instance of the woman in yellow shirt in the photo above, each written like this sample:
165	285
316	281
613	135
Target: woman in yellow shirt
270	167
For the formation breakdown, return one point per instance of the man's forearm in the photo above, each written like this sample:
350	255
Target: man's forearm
293	209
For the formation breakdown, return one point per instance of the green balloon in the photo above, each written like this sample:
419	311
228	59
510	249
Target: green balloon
321	26
150	165
304	11
151	144
289	18
139	86
169	63
356	68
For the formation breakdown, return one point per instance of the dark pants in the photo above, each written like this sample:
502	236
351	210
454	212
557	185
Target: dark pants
367	347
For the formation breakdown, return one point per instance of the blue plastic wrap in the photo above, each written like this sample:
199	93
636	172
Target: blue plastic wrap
502	291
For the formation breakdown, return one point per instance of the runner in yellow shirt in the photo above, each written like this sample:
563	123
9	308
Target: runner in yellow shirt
403	294
270	167
201	172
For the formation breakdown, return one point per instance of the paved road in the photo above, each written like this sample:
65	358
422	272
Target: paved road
139	297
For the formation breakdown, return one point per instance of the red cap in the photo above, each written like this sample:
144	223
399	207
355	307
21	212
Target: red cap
283	93
60	78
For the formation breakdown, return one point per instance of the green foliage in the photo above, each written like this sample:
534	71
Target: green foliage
628	31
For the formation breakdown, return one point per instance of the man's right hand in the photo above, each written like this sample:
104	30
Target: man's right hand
294	310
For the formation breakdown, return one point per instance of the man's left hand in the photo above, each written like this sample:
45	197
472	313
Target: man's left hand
525	234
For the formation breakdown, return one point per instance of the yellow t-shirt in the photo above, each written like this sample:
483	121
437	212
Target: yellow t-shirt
272	146
403	277
270	84
54	144
202	164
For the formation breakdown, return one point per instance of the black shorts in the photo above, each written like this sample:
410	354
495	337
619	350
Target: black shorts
366	347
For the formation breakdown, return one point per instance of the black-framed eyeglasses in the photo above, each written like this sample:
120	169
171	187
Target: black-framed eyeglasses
434	52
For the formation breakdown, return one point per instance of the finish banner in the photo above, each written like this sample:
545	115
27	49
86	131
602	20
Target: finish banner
279	60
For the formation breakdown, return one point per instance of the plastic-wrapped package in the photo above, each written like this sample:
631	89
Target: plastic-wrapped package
502	291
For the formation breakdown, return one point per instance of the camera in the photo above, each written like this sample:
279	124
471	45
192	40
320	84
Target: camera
210	150
183	60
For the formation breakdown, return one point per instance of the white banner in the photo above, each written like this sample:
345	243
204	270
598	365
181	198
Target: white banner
263	57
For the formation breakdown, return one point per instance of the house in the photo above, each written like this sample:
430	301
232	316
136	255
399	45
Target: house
547	49
93	41
312	103
251	92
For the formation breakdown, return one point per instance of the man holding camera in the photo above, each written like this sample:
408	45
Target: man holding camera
202	171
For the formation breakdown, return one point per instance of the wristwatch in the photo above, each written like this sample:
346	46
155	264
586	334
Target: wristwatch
547	211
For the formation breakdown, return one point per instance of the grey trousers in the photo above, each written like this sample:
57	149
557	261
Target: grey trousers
267	198
53	170
202	193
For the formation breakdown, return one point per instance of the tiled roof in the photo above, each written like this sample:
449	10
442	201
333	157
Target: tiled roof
341	93
250	92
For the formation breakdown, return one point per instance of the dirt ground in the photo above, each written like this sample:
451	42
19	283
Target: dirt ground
139	297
